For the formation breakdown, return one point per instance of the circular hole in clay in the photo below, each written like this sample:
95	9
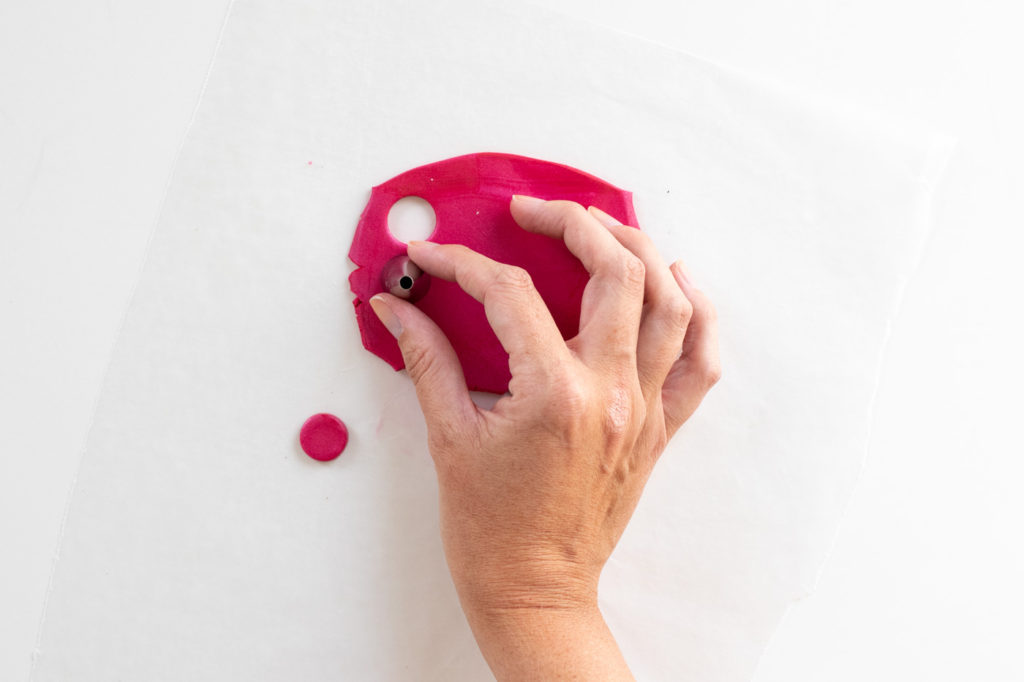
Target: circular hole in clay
411	218
405	282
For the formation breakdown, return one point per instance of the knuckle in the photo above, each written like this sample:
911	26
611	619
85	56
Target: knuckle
624	412
627	268
458	250
677	310
571	217
704	308
570	211
567	215
636	271
570	398
514	278
712	373
685	312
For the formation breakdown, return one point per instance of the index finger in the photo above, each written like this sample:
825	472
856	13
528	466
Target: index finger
516	312
613	298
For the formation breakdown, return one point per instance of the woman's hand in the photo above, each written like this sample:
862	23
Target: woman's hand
536	492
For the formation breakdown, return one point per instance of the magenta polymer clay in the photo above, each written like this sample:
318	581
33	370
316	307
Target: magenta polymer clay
470	197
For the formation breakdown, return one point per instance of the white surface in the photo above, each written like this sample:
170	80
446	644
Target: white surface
938	501
201	541
411	218
94	101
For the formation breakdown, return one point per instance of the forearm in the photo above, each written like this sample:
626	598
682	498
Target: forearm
548	644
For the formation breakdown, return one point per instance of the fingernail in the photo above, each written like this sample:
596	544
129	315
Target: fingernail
422	245
386	315
603	217
527	201
682	272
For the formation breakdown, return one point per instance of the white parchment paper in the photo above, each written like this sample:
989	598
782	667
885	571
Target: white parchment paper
201	544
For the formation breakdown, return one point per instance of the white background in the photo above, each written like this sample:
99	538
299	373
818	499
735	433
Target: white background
925	579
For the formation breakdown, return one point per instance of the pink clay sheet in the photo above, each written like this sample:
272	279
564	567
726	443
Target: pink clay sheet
470	196
201	543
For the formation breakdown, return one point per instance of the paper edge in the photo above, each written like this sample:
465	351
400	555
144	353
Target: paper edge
147	250
934	171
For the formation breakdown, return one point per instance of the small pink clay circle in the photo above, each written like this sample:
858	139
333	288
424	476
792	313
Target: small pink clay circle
323	437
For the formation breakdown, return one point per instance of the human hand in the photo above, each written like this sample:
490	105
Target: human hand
536	492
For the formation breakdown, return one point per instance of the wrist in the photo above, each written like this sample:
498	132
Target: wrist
534	642
512	596
524	619
517	621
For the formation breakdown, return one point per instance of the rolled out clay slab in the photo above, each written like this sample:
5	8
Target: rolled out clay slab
470	196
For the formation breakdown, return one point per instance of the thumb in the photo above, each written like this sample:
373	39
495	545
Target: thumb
431	362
